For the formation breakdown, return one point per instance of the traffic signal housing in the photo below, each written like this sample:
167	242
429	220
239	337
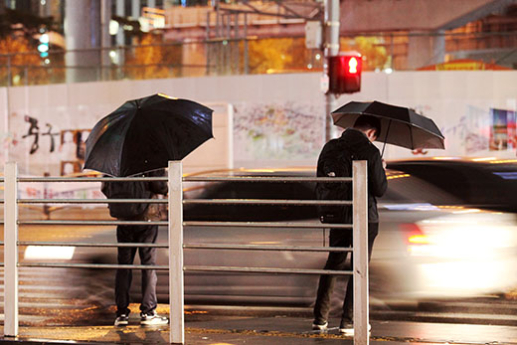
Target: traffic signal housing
345	73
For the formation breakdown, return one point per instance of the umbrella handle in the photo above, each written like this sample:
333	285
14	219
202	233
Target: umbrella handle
386	138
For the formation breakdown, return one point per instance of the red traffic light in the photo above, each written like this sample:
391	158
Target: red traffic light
345	73
352	65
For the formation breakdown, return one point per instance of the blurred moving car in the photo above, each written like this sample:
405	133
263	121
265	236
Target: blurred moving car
448	228
453	225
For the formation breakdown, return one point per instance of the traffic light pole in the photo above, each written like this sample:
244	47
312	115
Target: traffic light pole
330	48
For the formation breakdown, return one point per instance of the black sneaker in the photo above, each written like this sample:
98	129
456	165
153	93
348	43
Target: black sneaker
319	325
122	320
347	328
153	319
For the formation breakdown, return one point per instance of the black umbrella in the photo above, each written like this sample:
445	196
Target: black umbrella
144	134
399	125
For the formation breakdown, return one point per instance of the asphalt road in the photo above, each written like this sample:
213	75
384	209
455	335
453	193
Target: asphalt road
53	297
61	297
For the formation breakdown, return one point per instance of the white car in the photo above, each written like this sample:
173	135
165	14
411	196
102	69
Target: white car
448	228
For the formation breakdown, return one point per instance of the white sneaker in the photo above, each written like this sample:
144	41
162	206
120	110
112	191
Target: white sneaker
153	319
348	328
318	326
122	320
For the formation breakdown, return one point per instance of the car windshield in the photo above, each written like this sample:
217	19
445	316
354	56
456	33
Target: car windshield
432	182
405	189
490	185
253	190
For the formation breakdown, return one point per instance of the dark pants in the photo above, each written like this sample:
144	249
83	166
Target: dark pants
336	261
126	255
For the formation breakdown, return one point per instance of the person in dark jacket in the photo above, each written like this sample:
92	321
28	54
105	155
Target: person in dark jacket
357	142
126	256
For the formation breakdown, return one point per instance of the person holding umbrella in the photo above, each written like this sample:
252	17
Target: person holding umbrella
141	137
335	159
136	234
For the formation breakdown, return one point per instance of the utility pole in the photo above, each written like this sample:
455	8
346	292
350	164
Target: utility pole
105	39
330	48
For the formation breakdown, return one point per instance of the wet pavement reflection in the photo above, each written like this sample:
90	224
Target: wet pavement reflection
273	330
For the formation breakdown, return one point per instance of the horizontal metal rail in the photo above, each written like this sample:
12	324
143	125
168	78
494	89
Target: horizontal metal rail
93	244
187	246
190	179
187	223
268	225
91	201
266	202
104	266
267	179
262	270
190	201
221	269
92	222
89	179
267	248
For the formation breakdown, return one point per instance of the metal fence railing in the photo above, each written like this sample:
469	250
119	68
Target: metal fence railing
176	244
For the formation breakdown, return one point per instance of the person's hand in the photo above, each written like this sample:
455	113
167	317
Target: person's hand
384	164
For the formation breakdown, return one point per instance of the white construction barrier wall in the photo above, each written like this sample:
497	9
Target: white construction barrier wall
260	120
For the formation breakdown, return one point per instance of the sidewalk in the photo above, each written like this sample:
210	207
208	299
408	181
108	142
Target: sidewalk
271	330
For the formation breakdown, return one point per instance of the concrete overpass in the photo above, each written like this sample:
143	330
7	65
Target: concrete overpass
414	15
425	21
281	18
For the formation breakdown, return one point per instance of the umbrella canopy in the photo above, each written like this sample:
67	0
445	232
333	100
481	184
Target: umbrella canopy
144	134
399	125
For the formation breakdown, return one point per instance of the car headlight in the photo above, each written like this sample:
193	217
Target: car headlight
49	253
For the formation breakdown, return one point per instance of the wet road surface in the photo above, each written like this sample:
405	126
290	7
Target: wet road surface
275	330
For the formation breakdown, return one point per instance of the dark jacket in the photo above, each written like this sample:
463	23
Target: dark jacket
154	211
158	187
136	190
358	145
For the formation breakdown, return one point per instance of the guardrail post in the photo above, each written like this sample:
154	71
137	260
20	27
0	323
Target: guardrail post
10	250
360	254
176	293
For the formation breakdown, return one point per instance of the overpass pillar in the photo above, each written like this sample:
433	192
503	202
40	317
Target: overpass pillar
193	60
331	48
83	40
425	48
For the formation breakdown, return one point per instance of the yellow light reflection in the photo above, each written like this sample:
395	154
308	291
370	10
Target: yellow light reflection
418	239
167	96
392	177
484	159
501	161
473	210
450	207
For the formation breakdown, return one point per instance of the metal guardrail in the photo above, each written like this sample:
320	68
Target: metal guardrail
175	225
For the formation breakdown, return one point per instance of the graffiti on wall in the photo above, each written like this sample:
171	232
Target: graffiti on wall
277	131
289	131
72	150
469	135
33	134
502	130
64	146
